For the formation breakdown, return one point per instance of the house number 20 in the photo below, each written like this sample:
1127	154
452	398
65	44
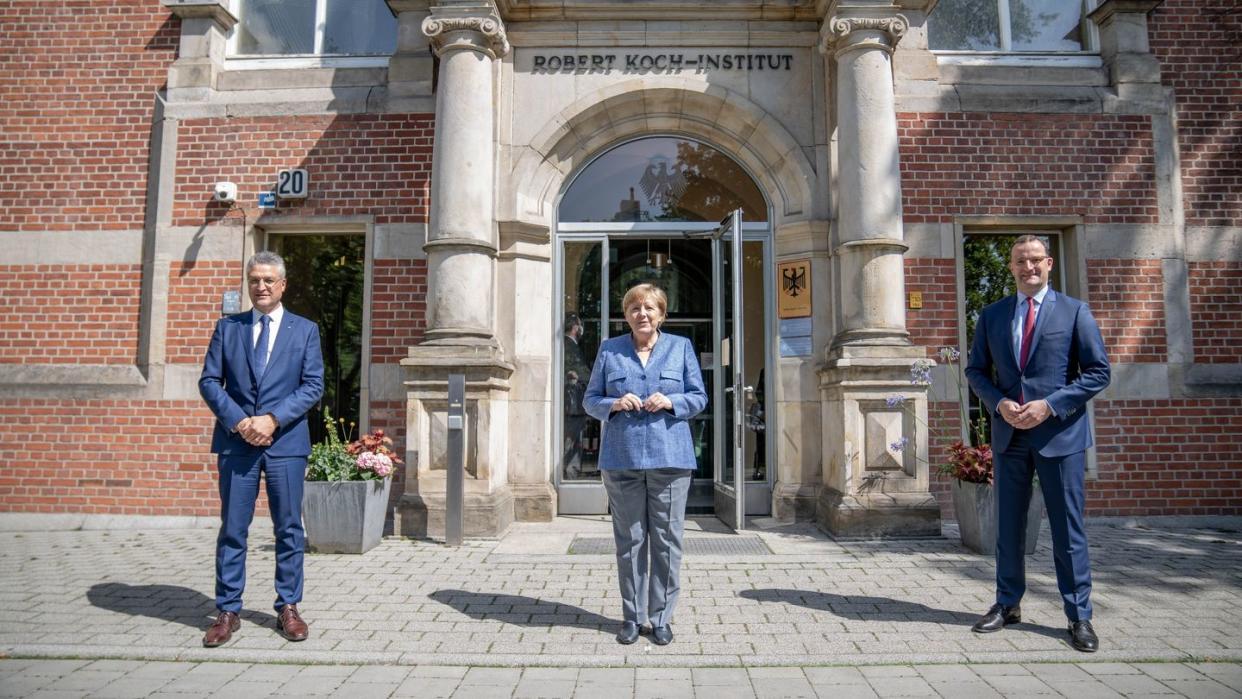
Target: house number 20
292	184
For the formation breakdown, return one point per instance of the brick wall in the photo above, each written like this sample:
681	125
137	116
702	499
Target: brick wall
114	457
1127	300
390	417
1197	42
935	324
398	309
194	290
69	314
1098	166
377	164
1168	457
80	81
1216	311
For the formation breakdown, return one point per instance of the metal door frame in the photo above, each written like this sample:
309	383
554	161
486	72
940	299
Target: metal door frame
584	497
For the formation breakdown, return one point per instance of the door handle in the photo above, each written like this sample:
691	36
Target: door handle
749	390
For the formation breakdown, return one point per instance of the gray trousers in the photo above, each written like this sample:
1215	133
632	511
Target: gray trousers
648	520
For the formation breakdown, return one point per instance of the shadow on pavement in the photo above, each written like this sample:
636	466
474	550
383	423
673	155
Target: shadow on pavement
180	605
521	611
861	608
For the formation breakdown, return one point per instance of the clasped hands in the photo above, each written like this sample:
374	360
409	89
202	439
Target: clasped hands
1024	417
654	403
257	430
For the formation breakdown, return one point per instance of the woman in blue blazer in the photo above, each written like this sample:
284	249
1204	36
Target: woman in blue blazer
645	387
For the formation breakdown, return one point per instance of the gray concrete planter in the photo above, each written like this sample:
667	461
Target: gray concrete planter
344	516
975	507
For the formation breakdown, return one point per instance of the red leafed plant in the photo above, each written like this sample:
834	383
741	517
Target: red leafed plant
375	442
970	464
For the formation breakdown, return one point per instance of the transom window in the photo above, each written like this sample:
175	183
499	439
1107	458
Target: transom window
662	179
1043	26
313	28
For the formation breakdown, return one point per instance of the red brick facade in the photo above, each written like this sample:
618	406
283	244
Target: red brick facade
80	84
398	312
1197	44
1216	311
935	324
1098	166
1127	299
70	314
1173	457
377	164
194	290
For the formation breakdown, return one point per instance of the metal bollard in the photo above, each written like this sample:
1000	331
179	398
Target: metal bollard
455	488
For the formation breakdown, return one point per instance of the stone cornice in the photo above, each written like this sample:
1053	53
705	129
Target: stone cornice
846	33
215	10
474	27
1109	8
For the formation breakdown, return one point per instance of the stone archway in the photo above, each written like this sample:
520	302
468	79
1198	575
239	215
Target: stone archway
640	107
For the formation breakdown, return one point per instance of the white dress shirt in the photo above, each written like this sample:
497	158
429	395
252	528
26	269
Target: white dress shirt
276	315
1019	318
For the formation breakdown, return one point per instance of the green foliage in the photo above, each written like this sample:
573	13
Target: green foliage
330	459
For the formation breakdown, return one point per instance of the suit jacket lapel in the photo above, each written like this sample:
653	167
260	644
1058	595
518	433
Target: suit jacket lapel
1006	329
283	338
1041	320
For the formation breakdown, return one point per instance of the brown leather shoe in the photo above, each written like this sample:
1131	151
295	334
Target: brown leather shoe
221	630
290	623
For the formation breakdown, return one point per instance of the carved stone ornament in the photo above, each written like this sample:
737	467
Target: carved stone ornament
837	30
484	33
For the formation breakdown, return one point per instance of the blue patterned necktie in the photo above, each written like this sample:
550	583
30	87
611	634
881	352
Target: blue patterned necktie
260	347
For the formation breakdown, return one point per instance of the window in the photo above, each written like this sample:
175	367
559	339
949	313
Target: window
1045	26
313	28
662	179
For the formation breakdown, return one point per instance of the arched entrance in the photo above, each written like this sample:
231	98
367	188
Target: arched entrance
644	211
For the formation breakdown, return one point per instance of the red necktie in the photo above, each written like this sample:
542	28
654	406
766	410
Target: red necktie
1028	334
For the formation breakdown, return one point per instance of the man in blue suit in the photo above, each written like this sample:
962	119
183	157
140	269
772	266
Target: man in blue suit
1036	359
262	373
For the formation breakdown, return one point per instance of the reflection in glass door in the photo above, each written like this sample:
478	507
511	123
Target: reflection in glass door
700	308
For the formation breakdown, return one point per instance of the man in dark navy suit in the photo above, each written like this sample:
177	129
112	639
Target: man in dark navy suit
1036	359
262	373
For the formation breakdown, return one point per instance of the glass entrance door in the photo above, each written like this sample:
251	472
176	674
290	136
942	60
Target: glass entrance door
595	271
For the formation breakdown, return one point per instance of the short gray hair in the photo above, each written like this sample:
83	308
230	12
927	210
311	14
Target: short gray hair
266	257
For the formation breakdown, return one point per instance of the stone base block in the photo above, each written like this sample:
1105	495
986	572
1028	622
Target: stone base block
487	515
794	502
882	515
534	502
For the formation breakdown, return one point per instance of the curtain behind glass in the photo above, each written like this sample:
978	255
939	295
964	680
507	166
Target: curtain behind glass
964	25
359	27
276	27
1046	25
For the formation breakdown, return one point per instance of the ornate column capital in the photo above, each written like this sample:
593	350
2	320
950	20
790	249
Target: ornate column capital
472	26
840	34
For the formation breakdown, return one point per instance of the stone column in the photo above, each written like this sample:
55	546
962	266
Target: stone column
461	261
868	488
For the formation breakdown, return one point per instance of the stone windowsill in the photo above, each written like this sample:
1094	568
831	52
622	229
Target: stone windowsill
979	68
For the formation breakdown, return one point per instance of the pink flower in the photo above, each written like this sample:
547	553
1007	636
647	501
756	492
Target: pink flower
380	464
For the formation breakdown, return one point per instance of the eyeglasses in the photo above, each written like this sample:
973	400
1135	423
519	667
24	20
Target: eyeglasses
1032	261
264	281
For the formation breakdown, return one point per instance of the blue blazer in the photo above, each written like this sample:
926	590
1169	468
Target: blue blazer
638	439
1067	366
292	384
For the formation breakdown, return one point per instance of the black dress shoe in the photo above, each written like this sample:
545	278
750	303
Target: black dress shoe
997	618
662	635
628	633
1083	637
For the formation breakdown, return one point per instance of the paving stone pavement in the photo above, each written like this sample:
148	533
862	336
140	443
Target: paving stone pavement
36	678
523	604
